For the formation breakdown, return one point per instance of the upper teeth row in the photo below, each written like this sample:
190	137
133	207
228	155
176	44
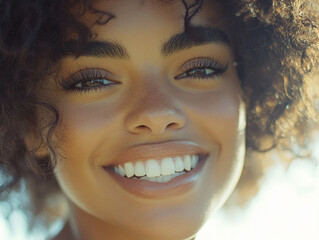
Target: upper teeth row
156	168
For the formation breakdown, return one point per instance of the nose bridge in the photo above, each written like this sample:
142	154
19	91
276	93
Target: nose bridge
154	110
153	98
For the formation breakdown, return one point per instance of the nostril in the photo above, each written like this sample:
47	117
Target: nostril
142	127
175	125
157	128
172	125
156	123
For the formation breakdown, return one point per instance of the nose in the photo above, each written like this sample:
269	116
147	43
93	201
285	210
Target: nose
156	113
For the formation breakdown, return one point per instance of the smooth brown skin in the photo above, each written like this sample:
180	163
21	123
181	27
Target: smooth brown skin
96	126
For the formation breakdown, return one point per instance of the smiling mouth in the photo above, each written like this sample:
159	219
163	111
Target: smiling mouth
161	170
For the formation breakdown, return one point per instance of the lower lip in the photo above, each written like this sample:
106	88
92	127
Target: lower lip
148	189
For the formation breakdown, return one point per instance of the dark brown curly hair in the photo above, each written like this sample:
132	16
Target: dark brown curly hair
276	49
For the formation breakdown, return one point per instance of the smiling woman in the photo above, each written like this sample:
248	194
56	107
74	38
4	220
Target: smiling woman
140	119
153	145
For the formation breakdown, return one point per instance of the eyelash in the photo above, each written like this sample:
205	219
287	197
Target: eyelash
216	67
85	76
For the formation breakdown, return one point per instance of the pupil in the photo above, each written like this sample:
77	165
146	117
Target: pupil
197	71
94	82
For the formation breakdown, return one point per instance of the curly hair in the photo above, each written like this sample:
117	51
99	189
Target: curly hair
276	50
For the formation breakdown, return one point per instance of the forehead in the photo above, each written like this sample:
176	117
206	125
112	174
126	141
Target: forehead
149	23
130	13
127	7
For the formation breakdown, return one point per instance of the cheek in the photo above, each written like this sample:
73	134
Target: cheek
83	126
220	118
219	115
83	129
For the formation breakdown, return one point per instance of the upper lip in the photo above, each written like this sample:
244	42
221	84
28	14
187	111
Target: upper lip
143	152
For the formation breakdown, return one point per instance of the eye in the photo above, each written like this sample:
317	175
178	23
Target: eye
202	68
197	72
88	80
93	83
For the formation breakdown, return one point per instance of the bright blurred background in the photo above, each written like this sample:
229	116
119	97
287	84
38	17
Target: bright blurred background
286	207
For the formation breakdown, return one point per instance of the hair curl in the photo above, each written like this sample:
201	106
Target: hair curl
275	42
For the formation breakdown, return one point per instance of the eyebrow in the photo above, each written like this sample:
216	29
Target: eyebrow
196	36
95	49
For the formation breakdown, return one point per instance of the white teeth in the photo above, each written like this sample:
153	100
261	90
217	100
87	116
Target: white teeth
167	178
160	179
129	169
139	169
167	166
187	163
152	179
116	169
194	161
179	166
122	171
153	168
158	170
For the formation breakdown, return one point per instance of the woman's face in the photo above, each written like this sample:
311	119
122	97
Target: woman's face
147	98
